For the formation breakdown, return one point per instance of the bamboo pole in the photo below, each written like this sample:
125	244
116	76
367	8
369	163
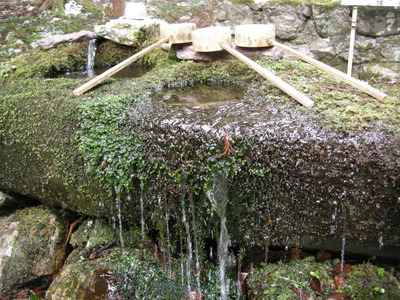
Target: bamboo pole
103	76
352	39
335	72
287	88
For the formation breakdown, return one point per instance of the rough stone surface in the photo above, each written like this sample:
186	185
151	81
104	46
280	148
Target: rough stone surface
31	247
129	32
390	49
380	70
55	40
378	22
82	281
322	48
92	234
230	14
285	18
331	21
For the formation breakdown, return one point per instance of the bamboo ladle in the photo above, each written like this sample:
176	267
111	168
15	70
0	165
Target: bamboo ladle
174	33
247	33
219	38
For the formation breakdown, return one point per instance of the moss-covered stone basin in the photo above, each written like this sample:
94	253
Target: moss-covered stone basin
296	176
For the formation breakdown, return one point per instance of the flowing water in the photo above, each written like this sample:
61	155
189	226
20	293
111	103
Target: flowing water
218	196
196	242
189	246
168	268
91	53
118	205
142	225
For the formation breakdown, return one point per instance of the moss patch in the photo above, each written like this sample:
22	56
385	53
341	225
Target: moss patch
309	278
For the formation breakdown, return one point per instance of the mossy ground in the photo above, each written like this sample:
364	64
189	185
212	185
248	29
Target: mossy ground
298	279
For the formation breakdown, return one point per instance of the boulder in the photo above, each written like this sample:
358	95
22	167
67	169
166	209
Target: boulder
83	280
377	22
229	14
286	19
322	48
31	248
55	40
129	32
390	49
331	21
386	71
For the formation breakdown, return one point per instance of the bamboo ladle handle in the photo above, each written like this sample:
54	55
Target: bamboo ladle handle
335	72
284	86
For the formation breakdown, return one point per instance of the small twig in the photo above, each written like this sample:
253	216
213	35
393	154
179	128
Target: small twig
71	228
227	146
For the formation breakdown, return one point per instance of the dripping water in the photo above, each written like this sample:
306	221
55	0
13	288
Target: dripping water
91	53
342	254
142	225
196	247
168	238
217	194
380	240
189	245
118	205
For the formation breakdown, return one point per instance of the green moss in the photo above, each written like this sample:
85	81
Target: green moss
288	280
242	1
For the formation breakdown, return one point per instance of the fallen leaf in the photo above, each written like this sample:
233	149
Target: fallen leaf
323	255
301	295
315	284
194	295
338	296
339	281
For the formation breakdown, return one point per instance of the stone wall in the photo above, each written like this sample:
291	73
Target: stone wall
325	32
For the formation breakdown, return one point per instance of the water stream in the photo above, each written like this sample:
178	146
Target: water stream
91	53
189	245
218	196
118	205
196	242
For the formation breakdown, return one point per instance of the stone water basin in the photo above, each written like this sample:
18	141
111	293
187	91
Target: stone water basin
201	97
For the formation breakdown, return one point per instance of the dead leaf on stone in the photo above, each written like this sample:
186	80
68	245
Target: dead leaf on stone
338	296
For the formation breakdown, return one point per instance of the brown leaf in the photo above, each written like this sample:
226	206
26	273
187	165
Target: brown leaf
194	295
301	295
338	296
339	281
338	269
323	255
315	284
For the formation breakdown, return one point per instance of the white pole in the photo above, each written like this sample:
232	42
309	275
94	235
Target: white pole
352	39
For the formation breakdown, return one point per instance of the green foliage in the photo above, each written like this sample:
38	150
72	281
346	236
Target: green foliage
285	280
144	279
277	281
367	281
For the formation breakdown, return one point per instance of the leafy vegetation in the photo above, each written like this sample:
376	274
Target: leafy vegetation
306	278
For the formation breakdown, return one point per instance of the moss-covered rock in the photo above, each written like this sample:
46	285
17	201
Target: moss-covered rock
323	172
32	248
117	274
